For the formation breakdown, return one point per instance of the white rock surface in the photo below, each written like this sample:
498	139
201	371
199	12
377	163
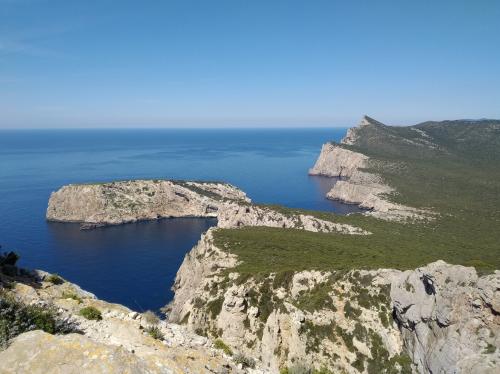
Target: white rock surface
449	317
116	344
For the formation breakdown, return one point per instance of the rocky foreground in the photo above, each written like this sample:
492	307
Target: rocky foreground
117	342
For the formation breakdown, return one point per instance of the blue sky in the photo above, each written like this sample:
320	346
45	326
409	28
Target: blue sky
246	63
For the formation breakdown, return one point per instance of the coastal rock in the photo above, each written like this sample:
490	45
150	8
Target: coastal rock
233	215
98	205
356	184
115	203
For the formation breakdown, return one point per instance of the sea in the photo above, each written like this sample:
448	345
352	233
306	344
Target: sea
135	264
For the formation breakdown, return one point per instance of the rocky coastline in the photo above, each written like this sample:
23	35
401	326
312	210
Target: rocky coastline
435	318
357	185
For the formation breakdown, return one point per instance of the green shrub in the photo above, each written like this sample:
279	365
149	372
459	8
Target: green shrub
316	299
54	279
490	348
150	317
219	344
215	306
17	318
245	361
303	369
71	295
91	313
350	311
155	332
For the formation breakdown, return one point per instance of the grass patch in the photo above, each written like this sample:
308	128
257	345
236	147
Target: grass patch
54	279
91	313
155	332
219	344
71	295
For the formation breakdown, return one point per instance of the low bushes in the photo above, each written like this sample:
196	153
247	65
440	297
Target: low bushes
91	313
17	318
155	333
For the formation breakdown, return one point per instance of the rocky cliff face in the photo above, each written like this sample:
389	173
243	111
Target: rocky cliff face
440	318
129	201
449	318
358	186
233	215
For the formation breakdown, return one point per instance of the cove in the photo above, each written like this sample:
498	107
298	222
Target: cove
135	264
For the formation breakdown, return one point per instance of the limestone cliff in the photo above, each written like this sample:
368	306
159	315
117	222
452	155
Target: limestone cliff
114	203
129	201
356	184
438	318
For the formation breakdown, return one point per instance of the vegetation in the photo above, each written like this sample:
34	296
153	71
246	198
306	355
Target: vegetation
219	344
457	176
245	361
17	318
316	334
54	279
71	295
91	313
155	332
215	306
316	298
303	369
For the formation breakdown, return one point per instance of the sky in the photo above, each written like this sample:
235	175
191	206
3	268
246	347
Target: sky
246	63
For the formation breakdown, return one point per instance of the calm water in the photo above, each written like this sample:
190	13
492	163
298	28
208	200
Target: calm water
135	264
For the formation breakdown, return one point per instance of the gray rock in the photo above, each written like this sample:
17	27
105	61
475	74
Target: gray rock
445	328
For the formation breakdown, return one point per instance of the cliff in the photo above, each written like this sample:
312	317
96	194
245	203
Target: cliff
436	318
114	203
119	341
129	201
358	185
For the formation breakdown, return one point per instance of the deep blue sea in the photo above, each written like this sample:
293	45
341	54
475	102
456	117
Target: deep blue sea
135	264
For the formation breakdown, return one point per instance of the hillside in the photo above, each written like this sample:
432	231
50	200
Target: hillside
378	303
449	168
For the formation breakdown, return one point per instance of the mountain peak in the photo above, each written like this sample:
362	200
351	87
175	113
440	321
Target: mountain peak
365	121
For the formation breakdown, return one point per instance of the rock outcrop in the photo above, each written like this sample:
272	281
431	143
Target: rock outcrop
95	205
356	184
117	343
233	215
449	318
130	201
440	318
